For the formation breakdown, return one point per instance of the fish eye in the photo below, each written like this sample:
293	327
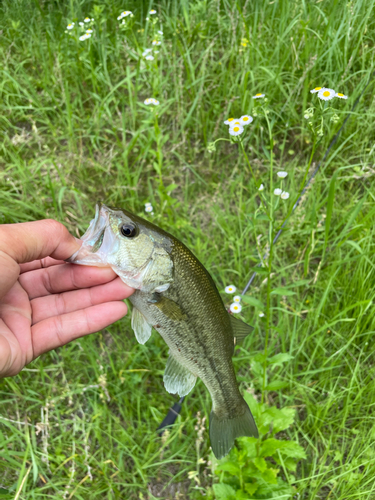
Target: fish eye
128	230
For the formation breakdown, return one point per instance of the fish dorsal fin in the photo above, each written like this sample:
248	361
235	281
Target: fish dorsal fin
168	307
141	328
177	378
240	329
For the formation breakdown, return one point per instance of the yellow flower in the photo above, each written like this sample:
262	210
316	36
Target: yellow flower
313	91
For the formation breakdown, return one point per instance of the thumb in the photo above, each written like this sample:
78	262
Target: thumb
30	241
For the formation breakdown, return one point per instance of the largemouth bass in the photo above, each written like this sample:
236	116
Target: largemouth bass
177	297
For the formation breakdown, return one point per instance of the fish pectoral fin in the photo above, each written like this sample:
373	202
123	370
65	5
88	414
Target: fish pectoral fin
170	308
177	378
240	329
141	328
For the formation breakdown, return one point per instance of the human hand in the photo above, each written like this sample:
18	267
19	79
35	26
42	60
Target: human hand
44	302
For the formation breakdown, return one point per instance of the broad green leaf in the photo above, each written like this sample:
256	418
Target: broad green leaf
276	385
262	217
230	467
293	450
282	291
224	492
260	463
251	487
252	301
250	445
280	358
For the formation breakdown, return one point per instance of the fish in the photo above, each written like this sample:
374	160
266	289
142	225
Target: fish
175	295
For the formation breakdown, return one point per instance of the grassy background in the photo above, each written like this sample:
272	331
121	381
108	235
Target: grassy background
80	421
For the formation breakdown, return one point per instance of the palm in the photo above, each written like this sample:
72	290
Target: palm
53	303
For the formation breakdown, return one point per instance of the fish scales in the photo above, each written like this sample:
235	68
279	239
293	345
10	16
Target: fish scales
207	322
177	297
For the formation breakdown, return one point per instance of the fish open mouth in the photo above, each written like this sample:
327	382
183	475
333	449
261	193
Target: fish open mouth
89	253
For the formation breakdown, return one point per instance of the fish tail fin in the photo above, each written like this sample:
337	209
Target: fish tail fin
223	431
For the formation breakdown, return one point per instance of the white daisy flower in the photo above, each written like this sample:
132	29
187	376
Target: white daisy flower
87	19
278	192
261	187
237	298
81	23
229	121
151	100
119	17
150	57
326	94
261	315
341	96
314	91
148	204
88	31
258	96
152	11
160	32
148	208
70	26
156	42
235	308
246	119
230	289
284	195
282	175
84	37
236	130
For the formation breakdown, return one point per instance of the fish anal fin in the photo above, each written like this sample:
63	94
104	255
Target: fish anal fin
141	328
240	329
178	379
170	308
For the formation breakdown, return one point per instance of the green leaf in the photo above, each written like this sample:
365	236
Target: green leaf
224	492
280	419
259	270
262	217
260	464
251	487
252	301
282	291
241	495
293	450
249	444
280	358
276	385
331	199
229	467
171	187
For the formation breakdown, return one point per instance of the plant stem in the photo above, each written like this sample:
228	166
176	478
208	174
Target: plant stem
270	237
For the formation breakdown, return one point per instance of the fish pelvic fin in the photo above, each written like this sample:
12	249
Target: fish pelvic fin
141	328
178	379
223	431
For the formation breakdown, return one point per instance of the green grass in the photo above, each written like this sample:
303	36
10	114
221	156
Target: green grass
80	422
